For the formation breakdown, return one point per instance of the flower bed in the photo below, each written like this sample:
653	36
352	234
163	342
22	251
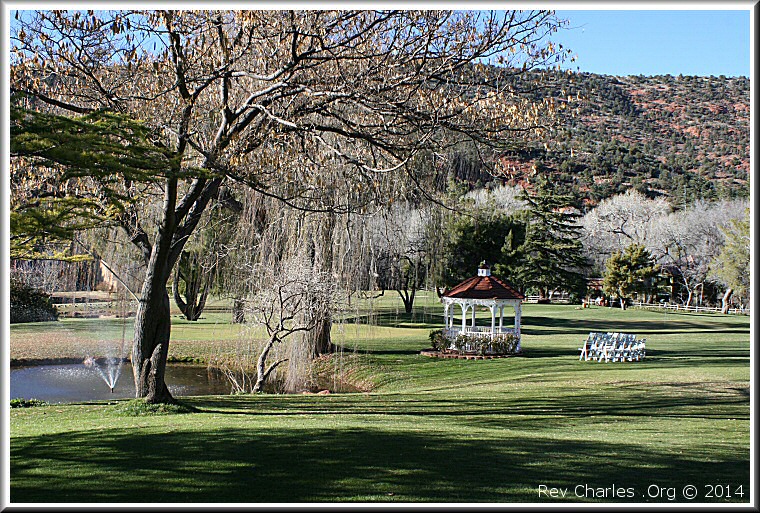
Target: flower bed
464	356
470	346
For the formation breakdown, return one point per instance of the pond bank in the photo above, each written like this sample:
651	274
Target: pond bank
77	382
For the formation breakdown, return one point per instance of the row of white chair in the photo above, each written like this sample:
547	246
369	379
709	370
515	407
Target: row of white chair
614	347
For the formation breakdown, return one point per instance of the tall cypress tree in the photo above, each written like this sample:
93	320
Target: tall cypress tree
551	258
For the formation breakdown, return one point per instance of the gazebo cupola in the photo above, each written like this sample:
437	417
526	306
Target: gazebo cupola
481	290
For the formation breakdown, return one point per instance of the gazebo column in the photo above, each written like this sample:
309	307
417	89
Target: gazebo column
493	319
473	317
446	315
518	314
464	317
501	318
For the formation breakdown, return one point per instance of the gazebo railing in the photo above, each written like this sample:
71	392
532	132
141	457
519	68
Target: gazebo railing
478	331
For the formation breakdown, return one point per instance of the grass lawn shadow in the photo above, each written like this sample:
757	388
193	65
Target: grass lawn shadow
303	465
542	325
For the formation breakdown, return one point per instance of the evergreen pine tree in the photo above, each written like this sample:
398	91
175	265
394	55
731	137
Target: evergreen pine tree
487	235
628	272
72	174
551	258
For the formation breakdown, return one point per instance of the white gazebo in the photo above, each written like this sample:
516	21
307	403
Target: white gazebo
481	290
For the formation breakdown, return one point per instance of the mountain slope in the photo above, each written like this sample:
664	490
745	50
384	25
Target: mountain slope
681	137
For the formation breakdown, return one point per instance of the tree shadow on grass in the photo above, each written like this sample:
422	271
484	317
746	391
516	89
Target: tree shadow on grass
417	347
539	325
536	351
392	319
255	465
624	399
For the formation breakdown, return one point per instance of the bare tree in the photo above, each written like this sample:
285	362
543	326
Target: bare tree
686	242
400	250
44	275
272	99
292	302
618	222
503	197
732	266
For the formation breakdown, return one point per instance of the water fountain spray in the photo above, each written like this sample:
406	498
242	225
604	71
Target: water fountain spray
109	368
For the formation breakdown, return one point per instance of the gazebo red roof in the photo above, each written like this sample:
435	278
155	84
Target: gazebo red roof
483	287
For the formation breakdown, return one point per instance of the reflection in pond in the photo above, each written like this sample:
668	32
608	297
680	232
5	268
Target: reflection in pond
77	382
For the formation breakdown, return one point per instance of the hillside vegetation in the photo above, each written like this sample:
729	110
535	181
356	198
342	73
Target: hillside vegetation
681	137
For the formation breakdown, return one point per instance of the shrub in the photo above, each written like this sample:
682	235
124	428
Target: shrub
437	340
19	402
30	305
138	408
505	343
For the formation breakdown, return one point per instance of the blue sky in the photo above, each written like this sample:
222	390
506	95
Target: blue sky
658	42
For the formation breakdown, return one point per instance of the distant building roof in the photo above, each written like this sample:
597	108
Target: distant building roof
483	287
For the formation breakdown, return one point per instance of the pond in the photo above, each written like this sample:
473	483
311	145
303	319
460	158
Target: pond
78	382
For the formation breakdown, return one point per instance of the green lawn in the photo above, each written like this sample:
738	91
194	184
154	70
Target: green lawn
431	430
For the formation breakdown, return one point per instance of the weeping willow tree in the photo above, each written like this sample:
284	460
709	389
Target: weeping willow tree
276	100
322	256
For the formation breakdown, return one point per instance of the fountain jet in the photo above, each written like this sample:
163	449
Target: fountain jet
109	369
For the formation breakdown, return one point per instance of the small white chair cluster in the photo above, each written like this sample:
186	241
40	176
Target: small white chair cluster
612	347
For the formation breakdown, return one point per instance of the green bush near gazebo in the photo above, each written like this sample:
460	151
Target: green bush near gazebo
497	344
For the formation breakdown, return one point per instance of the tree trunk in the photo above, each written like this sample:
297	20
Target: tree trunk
197	286
261	373
150	347
238	312
724	301
408	298
196	301
408	304
321	340
323	262
201	302
407	293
